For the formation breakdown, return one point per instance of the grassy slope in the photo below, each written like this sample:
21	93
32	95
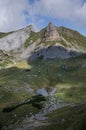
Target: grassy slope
4	34
73	36
16	115
12	91
67	75
68	118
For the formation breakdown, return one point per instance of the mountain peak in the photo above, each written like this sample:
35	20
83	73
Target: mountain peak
50	24
31	27
51	33
51	27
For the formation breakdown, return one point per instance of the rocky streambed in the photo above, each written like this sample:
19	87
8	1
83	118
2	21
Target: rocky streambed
40	119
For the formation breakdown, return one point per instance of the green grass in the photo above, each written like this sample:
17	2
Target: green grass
5	59
67	118
16	115
73	36
70	81
33	38
16	112
68	76
4	34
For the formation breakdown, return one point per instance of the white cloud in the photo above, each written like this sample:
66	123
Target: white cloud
68	10
12	16
81	14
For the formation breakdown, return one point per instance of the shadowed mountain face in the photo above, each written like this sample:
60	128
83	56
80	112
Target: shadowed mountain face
53	52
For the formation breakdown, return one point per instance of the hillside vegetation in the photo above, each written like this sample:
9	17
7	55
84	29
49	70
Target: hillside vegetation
20	83
74	38
20	79
68	118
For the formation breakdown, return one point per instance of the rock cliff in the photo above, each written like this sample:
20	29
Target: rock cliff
51	33
53	52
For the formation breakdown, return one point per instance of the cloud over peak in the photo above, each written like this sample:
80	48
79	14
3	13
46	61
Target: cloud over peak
16	13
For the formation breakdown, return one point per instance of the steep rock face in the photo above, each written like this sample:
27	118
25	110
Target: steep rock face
15	40
53	52
51	33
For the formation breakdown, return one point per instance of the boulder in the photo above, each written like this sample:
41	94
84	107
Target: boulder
43	92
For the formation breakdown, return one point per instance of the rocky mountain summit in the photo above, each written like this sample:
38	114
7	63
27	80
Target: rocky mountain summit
51	33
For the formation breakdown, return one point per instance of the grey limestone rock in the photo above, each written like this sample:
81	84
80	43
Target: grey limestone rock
15	39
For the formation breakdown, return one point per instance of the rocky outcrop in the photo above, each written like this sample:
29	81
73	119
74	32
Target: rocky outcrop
53	52
51	33
42	92
15	40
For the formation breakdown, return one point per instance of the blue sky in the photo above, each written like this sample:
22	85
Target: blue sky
15	14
